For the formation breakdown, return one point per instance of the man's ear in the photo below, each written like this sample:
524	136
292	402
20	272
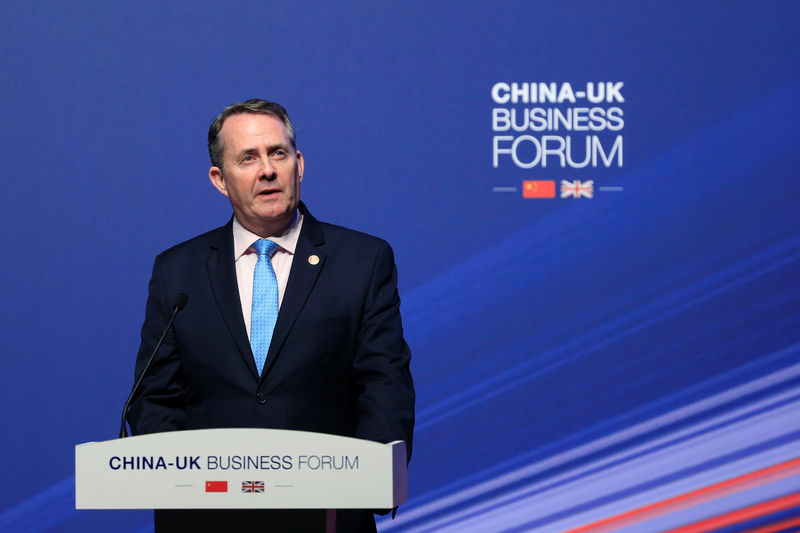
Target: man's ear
217	179
300	164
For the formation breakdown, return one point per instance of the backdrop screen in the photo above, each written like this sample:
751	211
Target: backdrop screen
593	206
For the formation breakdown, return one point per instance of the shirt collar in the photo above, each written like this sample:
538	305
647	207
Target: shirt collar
243	238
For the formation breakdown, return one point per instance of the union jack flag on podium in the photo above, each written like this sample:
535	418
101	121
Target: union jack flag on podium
577	189
252	486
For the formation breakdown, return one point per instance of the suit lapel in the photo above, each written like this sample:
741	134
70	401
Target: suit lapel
222	277
302	278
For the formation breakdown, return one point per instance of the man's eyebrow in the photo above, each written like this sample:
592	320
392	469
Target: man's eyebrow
248	150
270	148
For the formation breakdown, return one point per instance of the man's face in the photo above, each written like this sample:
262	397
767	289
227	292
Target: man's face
261	172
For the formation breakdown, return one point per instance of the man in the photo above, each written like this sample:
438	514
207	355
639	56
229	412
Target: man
333	361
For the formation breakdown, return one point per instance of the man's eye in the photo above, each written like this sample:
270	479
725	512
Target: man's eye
248	159
279	154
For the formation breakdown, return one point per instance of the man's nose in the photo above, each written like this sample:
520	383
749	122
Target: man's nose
268	171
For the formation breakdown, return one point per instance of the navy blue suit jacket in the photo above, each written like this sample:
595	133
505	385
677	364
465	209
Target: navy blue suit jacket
337	362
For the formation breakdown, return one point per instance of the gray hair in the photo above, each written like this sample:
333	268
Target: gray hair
261	107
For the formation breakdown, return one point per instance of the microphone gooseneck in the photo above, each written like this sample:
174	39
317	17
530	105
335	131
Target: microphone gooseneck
178	304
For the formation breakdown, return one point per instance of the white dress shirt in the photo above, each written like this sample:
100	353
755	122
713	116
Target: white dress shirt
246	257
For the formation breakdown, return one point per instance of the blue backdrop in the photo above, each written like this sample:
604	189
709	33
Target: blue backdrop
575	358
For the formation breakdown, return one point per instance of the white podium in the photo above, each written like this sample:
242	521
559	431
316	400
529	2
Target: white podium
240	469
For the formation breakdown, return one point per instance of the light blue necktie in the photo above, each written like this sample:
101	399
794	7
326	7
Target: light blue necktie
265	302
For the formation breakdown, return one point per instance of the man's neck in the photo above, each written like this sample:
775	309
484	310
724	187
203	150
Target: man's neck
272	230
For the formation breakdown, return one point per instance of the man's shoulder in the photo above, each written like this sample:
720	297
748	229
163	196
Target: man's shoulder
199	245
340	234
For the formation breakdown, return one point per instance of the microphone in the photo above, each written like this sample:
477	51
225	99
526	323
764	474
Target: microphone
178	304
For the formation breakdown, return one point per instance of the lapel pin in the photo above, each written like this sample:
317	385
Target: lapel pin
313	259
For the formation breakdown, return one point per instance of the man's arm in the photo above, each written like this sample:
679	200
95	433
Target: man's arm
385	402
159	404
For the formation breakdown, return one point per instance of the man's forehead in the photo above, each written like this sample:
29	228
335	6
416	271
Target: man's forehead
246	128
252	123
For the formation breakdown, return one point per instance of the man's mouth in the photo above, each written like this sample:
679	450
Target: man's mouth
269	192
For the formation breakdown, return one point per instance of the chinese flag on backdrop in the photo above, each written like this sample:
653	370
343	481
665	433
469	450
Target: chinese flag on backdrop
216	486
538	189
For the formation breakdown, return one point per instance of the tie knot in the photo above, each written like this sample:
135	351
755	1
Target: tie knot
265	247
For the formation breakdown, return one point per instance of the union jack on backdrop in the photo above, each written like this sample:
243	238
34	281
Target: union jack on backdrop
252	486
577	188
